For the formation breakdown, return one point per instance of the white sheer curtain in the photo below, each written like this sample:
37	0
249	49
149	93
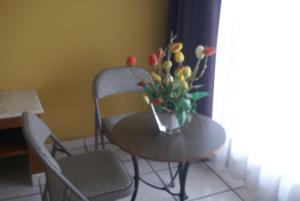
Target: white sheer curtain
257	95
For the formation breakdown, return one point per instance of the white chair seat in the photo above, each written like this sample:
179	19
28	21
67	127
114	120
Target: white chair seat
90	176
98	175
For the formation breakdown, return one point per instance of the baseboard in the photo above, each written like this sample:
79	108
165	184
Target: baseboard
80	142
38	179
88	141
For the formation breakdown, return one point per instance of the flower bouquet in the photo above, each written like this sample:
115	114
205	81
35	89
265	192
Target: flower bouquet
173	90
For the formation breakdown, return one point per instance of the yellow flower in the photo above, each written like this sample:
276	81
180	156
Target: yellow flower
146	99
167	64
199	52
184	85
186	71
179	57
169	79
178	71
156	77
181	78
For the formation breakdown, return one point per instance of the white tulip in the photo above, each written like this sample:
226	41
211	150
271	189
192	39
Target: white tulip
199	52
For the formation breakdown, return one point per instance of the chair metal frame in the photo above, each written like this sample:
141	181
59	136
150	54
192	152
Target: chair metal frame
112	81
119	80
36	138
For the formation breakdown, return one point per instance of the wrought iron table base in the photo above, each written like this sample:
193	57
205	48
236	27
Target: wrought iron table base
181	172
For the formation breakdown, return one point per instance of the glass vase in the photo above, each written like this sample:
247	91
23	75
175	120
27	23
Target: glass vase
166	121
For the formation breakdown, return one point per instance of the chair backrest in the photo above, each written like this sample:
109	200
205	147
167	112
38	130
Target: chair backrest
118	80
36	133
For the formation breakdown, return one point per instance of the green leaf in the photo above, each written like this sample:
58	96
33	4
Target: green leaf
169	88
189	117
198	95
198	86
181	117
184	103
149	92
157	86
183	114
158	108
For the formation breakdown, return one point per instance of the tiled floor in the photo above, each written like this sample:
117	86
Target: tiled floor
203	183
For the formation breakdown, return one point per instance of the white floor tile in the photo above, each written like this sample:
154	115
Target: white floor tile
27	198
246	194
147	193
227	196
225	175
123	155
143	167
202	184
15	181
200	181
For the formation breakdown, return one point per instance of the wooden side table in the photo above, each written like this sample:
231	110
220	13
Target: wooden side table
12	142
139	135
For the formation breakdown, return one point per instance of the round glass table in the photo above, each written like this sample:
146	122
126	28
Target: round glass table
139	135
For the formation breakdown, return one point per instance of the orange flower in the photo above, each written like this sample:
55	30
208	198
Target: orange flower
176	47
131	61
157	101
142	83
153	60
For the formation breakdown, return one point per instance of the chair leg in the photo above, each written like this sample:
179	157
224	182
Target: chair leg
102	141
45	193
96	133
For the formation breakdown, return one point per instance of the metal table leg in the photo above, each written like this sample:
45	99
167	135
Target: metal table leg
184	167
136	177
182	173
171	184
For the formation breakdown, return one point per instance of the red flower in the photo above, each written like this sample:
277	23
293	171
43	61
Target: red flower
153	60
142	83
209	51
131	61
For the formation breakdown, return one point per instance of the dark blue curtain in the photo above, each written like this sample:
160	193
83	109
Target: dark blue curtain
196	22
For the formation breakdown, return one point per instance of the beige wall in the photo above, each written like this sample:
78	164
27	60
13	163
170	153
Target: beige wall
57	47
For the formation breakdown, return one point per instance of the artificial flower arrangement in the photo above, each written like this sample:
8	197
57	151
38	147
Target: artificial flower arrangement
173	88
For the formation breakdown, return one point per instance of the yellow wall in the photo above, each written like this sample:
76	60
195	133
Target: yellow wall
57	47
